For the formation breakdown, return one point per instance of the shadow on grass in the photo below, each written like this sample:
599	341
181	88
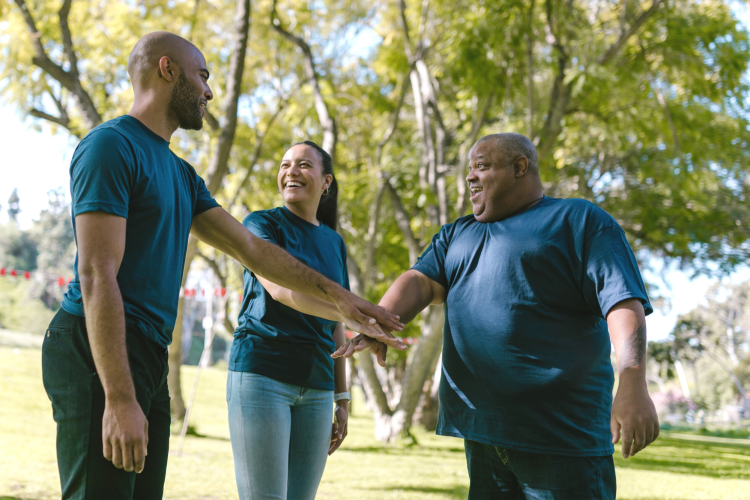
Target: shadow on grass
394	450
12	498
455	492
718	460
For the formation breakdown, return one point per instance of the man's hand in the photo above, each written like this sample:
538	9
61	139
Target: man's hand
633	415
365	313
340	430
360	343
125	435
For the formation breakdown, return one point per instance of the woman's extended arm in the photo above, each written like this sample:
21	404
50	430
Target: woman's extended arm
326	310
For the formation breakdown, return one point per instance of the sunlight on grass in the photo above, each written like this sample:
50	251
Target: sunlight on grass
675	467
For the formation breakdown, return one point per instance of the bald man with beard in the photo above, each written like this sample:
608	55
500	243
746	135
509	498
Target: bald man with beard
135	203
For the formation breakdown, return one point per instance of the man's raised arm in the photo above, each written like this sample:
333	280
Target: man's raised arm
409	295
222	231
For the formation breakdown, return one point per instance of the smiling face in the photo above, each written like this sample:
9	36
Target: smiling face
301	179
191	92
492	181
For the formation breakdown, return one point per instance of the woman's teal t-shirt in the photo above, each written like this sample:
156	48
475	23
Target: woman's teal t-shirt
275	340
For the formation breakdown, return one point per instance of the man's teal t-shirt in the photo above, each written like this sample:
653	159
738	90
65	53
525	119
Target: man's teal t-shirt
123	168
526	353
275	340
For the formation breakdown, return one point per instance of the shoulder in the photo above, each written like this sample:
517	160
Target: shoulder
334	237
108	134
457	226
585	213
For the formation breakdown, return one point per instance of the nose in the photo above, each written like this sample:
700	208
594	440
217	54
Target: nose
471	176
208	94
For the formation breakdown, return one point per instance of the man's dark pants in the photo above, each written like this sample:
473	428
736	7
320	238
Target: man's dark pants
77	396
498	474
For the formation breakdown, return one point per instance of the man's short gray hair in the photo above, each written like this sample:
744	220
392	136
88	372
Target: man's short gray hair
512	145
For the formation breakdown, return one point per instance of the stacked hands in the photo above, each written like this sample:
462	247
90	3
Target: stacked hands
374	325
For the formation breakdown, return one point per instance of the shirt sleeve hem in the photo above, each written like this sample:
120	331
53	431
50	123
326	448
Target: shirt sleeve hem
607	307
99	206
436	279
205	207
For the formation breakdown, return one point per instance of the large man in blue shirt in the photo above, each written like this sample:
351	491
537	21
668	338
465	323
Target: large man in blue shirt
534	288
134	205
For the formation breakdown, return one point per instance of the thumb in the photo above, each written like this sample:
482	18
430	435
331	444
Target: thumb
614	426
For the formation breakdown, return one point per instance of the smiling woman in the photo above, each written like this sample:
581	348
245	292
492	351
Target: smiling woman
281	382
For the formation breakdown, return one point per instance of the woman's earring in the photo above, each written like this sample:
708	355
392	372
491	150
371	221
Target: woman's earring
325	192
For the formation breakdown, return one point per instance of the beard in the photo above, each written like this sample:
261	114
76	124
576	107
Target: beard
184	105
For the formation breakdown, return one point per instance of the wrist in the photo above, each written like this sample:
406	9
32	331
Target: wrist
342	397
633	376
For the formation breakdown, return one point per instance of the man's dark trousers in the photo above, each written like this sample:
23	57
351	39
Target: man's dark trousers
496	473
77	396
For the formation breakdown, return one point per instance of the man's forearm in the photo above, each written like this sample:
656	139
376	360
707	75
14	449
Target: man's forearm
105	323
409	295
627	330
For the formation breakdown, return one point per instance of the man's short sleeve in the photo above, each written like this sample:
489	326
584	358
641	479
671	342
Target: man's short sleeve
102	174
612	273
203	200
432	262
263	227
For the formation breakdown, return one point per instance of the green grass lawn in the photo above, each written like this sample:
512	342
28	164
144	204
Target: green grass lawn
677	466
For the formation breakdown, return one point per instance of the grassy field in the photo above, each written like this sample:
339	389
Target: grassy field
677	466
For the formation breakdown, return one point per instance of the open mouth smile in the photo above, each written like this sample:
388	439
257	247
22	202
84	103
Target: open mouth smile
475	190
293	185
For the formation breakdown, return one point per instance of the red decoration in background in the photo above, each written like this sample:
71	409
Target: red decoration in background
61	281
27	275
13	273
2	271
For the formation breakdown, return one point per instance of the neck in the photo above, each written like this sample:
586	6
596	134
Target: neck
304	211
154	116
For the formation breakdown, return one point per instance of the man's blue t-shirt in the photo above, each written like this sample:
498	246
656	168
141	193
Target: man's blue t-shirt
526	356
275	340
123	168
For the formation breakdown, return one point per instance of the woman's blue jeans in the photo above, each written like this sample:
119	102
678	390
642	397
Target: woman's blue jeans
280	436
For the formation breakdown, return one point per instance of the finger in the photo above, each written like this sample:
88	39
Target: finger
127	455
614	427
139	456
145	433
381	354
107	447
639	440
340	351
335	446
649	436
384	317
116	454
627	441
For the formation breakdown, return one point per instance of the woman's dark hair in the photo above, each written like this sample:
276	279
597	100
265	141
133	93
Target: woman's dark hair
328	210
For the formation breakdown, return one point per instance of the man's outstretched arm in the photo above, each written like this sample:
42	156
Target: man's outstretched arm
223	232
101	246
409	295
633	413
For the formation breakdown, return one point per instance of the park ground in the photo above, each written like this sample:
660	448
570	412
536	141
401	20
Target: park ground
677	466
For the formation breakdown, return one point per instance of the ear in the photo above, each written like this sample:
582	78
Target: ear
521	166
167	69
328	181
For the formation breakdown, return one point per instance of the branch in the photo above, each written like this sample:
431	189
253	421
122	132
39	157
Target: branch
530	72
219	164
60	120
223	281
67	39
371	234
330	134
211	121
67	79
394	119
615	48
476	126
405	26
403	221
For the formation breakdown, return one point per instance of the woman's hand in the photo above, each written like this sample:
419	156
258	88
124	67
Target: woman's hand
339	431
360	343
